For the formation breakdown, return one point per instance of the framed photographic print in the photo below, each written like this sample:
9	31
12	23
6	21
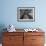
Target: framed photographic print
26	14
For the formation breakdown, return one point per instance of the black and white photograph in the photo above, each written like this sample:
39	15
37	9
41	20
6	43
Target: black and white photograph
26	14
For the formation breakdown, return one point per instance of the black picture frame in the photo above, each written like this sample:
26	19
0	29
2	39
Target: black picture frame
26	14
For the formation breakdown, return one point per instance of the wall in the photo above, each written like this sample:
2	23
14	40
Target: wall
8	13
